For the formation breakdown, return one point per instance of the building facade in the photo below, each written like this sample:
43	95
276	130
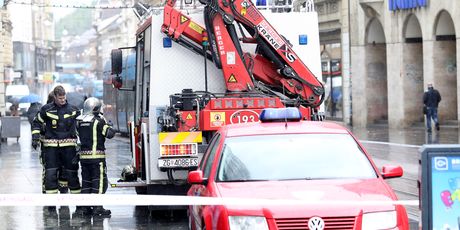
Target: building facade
6	55
34	45
397	48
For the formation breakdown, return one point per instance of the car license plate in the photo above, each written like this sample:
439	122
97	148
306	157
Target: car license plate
178	163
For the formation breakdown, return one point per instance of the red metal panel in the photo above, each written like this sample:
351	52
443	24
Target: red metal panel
188	121
223	111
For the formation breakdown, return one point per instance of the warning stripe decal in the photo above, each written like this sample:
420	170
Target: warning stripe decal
180	137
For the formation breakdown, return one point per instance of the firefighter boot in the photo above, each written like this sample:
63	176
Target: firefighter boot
100	211
63	189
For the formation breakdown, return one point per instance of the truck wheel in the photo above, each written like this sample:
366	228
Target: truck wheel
141	190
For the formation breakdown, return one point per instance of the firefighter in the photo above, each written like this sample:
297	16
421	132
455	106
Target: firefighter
59	140
61	177
92	131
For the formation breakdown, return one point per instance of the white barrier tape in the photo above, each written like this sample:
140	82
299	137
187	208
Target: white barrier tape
160	200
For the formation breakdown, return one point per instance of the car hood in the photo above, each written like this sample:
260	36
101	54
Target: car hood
355	194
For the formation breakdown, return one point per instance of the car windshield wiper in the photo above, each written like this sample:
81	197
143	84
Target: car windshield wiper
320	178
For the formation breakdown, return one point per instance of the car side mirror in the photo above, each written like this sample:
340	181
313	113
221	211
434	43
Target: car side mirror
391	171
117	61
196	177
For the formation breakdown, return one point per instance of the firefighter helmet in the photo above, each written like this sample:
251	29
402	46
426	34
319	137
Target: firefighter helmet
129	173
92	105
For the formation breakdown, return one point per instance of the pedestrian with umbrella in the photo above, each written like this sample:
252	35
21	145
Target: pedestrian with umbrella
31	98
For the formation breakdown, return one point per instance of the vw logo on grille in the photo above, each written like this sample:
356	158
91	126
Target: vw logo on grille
316	223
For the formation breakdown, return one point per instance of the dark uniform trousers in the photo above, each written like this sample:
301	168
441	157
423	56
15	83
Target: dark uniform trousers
94	176
54	159
62	180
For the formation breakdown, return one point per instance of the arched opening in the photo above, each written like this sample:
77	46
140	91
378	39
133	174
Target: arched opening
412	70
376	70
445	66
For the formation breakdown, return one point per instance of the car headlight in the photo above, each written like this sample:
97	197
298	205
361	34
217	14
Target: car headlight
379	220
247	222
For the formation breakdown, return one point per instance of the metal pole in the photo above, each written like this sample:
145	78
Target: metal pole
332	88
205	48
346	63
205	70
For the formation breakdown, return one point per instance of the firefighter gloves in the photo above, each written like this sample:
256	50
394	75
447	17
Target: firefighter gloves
35	143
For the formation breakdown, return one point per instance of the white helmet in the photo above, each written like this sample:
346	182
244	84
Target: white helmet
92	105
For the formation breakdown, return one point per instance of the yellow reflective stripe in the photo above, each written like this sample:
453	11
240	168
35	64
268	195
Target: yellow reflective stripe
70	115
75	191
180	137
52	116
67	144
63	183
54	191
40	119
95	136
104	129
50	144
92	156
101	177
35	131
90	152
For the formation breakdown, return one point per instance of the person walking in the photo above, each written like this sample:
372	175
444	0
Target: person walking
14	109
431	99
92	131
57	121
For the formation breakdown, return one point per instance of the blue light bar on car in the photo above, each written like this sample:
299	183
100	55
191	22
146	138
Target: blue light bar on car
280	114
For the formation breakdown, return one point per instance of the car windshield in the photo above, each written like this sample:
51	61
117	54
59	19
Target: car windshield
293	157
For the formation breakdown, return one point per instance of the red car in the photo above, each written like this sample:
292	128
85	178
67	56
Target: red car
282	157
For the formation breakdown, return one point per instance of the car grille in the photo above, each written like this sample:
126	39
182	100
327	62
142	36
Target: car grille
343	223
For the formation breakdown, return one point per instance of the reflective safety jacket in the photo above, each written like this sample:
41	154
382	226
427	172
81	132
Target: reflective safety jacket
92	131
58	124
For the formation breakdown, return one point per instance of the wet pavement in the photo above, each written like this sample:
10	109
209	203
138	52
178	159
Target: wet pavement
20	172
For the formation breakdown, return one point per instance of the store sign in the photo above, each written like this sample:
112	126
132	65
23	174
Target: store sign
406	4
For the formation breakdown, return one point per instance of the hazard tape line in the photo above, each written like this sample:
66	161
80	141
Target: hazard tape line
164	200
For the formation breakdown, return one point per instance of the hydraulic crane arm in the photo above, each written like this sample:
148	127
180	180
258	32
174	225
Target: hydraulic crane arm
275	64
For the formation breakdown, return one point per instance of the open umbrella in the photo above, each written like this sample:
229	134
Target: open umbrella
31	98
